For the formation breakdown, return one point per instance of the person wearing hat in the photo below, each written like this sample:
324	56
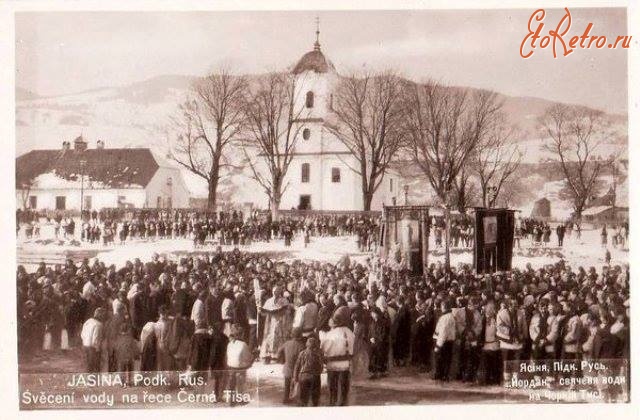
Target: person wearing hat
511	329
379	331
573	333
444	336
469	350
307	371
92	335
488	341
538	330
276	325
218	357
306	315
288	353
337	348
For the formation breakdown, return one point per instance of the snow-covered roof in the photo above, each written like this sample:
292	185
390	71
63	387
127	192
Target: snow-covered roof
111	168
592	211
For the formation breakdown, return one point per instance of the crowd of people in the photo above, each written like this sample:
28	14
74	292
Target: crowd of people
223	311
539	232
226	228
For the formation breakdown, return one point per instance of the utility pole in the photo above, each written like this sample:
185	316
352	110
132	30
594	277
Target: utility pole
82	165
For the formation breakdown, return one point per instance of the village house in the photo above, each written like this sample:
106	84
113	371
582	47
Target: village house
78	177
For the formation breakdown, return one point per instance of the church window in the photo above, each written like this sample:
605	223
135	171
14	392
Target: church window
306	134
309	102
331	102
306	169
390	184
335	175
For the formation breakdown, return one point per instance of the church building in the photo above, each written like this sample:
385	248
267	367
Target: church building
319	177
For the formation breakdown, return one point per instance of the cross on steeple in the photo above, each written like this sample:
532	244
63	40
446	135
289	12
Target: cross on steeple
316	45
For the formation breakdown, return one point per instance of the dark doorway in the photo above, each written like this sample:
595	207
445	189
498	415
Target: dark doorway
305	202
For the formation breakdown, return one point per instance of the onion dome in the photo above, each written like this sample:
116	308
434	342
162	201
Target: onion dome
314	60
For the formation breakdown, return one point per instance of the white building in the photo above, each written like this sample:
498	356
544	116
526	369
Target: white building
319	176
99	178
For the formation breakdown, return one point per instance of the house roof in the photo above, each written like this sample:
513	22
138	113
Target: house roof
110	168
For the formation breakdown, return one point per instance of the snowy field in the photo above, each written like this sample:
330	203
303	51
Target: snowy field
585	252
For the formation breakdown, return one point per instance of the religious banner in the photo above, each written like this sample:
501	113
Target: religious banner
404	237
493	245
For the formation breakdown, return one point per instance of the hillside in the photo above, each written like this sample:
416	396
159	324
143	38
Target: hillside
136	116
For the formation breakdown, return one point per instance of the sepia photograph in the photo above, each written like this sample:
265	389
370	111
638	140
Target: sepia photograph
316	208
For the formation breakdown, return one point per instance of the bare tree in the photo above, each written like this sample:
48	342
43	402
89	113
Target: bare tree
206	124
367	118
444	126
272	113
575	135
496	160
25	191
465	191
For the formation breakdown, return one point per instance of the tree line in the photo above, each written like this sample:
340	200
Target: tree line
459	140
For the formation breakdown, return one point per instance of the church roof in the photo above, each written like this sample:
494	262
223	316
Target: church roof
313	61
110	168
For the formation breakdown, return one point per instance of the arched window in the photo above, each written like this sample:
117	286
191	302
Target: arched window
306	169
335	175
306	134
309	101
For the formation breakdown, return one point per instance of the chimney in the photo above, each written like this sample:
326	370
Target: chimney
79	144
100	144
66	145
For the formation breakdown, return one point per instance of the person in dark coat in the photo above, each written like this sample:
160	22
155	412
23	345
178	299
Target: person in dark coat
402	333
422	331
218	358
288	235
180	333
379	338
560	233
213	306
200	349
288	352
306	373
604	343
181	301
327	307
139	310
240	314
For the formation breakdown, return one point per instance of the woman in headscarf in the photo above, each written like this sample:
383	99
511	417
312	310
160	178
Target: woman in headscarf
277	324
379	339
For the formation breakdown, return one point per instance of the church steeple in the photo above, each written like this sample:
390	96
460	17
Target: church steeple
316	45
314	60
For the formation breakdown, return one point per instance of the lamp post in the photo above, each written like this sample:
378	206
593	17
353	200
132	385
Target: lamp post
82	165
406	194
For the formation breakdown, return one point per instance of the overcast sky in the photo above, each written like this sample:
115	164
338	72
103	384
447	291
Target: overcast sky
62	52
